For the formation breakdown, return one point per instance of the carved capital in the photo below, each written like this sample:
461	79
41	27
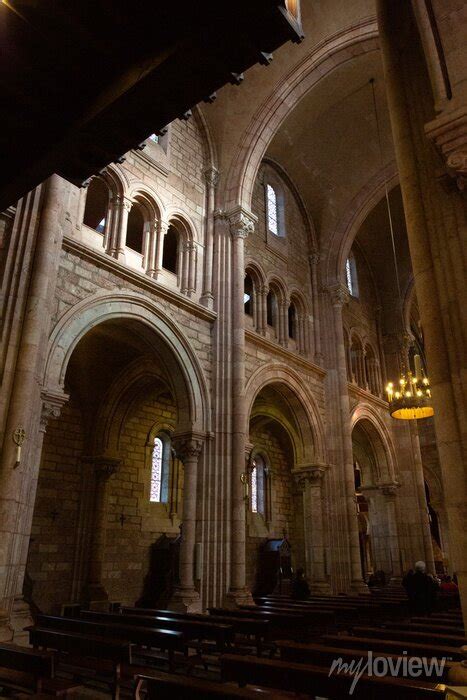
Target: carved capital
188	446
241	222
449	133
389	490
339	294
310	474
52	402
104	466
211	175
314	257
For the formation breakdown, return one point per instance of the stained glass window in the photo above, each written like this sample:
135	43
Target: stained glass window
272	210
156	471
258	486
351	276
348	275
254	489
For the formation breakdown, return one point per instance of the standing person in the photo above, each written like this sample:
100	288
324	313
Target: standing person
448	586
422	590
300	587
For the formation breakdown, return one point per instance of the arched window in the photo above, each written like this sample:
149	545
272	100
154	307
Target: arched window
258	486
248	295
351	275
292	321
160	464
135	229
272	210
271	309
97	205
170	252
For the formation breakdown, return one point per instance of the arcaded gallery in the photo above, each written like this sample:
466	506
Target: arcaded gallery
232	349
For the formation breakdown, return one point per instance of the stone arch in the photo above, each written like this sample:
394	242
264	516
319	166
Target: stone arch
320	62
183	224
310	434
175	351
140	189
257	273
369	421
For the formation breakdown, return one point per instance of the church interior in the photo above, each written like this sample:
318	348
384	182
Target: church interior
232	361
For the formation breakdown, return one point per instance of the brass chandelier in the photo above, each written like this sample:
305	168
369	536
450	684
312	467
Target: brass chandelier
410	397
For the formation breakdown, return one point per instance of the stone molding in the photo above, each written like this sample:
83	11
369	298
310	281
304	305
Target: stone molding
53	401
276	349
449	134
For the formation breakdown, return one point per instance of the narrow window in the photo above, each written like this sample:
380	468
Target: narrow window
258	486
292	321
154	138
156	471
97	205
170	252
135	229
248	295
273	218
351	276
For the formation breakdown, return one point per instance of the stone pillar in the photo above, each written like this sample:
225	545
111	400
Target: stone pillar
161	231
191	263
263	314
150	258
435	218
212	178
118	222
24	406
390	492
421	496
310	480
283	308
314	260
104	467
241	225
188	448
339	296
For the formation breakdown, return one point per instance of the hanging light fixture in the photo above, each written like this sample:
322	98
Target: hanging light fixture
409	397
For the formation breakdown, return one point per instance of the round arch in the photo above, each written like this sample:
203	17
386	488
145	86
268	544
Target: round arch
301	402
160	332
320	62
369	421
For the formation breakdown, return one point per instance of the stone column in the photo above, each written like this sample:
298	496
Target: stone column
24	404
104	467
188	448
339	296
241	225
390	492
212	178
119	209
150	261
419	478
314	260
263	314
435	218
310	480
283	307
191	284
161	231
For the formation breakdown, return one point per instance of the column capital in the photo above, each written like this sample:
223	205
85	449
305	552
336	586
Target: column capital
211	175
52	402
390	489
104	465
311	473
188	446
449	134
241	221
314	257
339	294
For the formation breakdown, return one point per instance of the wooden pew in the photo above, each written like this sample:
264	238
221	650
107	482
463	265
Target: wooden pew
83	646
394	646
280	623
22	668
221	634
344	613
323	655
151	637
315	680
387	633
434	630
162	686
259	629
320	618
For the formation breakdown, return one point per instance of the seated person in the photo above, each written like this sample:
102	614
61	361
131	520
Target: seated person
300	587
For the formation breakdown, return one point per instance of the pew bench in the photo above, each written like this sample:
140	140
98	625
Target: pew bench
162	686
292	623
248	627
394	646
323	655
23	669
315	680
415	636
320	619
427	627
79	648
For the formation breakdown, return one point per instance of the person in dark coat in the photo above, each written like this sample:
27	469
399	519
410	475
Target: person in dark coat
421	590
300	587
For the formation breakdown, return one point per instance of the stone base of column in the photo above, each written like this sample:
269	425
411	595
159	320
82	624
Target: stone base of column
20	618
235	598
185	600
96	597
359	586
6	631
207	300
320	588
